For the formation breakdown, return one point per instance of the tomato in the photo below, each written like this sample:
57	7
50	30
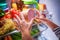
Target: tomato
8	16
13	12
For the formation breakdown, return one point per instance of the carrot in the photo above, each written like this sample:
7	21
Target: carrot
9	37
6	38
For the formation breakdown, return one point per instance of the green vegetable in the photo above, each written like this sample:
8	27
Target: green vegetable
2	13
16	36
33	32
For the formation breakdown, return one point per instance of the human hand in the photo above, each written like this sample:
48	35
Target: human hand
47	22
24	26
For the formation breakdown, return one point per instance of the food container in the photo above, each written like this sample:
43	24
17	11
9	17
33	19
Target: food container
3	6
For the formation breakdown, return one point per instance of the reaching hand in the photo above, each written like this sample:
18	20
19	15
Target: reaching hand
47	22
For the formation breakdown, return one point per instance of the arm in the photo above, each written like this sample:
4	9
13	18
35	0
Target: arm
49	23
26	36
52	25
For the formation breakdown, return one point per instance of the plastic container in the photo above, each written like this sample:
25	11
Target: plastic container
3	6
29	2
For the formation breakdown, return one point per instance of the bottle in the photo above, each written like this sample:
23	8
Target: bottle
14	5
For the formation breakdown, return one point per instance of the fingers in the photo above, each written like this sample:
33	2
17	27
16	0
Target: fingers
30	24
31	21
23	19
22	16
44	19
18	18
15	20
17	23
38	13
42	16
17	28
41	19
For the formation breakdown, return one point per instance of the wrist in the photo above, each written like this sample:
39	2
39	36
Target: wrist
25	33
51	24
26	36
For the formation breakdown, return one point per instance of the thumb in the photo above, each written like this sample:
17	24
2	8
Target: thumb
30	23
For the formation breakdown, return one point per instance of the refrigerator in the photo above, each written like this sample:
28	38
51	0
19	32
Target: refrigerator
53	7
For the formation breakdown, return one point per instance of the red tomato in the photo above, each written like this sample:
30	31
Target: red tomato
8	16
13	12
